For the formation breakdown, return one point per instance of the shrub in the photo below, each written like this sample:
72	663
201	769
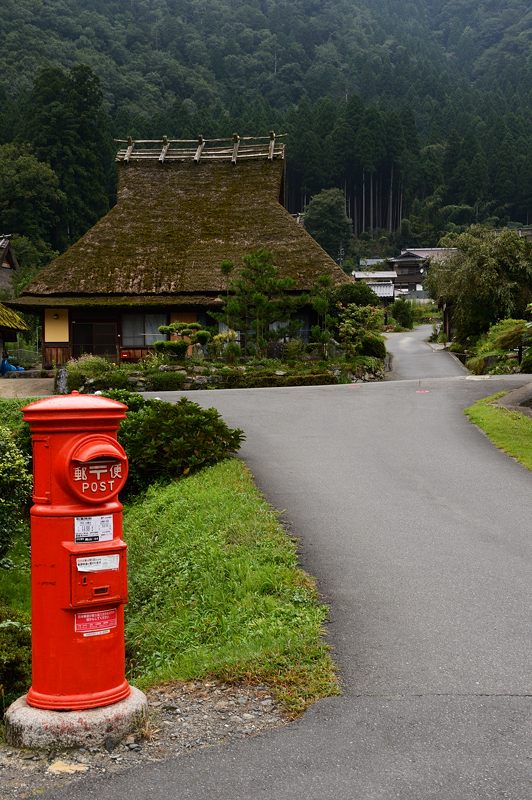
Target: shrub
424	312
358	294
294	349
505	335
79	370
165	381
232	352
402	312
203	337
15	489
164	441
365	364
94	373
220	341
371	344
176	348
133	400
116	379
526	363
15	654
269	381
480	365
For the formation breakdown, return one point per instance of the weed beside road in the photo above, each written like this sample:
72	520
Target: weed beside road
508	430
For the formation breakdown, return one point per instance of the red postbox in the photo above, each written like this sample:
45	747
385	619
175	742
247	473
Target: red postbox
78	558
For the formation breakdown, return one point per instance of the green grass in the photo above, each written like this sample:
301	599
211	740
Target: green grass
15	581
215	591
509	430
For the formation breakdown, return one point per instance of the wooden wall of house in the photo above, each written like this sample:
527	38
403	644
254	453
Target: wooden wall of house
134	353
55	354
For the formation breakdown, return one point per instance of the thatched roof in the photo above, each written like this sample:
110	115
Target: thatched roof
173	225
10	319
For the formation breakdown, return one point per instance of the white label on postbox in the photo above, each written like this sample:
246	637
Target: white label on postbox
98	563
93	529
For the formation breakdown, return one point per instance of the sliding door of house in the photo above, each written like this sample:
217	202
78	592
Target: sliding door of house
97	338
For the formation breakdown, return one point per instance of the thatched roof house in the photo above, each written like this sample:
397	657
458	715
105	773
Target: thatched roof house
156	256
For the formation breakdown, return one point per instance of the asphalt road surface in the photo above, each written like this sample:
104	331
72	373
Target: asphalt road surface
418	531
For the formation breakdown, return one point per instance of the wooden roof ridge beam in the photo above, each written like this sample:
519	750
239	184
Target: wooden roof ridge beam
166	145
199	151
271	149
236	143
130	146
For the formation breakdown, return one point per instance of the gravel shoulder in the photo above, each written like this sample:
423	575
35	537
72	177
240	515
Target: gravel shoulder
182	717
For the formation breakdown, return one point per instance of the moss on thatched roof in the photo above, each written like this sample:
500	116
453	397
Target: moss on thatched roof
173	225
117	300
10	319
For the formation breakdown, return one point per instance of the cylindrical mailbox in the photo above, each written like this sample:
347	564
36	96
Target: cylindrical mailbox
78	558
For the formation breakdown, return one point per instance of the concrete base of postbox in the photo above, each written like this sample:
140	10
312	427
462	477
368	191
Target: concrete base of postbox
38	729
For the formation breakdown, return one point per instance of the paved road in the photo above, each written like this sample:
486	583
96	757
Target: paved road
418	531
413	357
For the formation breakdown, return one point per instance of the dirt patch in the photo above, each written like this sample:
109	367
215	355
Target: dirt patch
26	387
182	716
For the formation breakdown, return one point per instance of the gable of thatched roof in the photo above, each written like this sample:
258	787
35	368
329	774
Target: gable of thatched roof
174	223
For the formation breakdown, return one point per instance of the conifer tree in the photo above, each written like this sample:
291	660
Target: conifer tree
68	128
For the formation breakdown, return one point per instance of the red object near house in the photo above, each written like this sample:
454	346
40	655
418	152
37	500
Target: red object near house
78	558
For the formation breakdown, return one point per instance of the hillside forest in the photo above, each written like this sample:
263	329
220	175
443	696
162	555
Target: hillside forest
418	111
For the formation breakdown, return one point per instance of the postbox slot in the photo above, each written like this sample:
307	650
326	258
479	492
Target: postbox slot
98	577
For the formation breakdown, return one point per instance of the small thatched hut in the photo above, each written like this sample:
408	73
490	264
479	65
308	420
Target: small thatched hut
10	325
155	257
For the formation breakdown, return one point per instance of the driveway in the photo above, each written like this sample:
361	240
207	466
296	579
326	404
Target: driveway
418	532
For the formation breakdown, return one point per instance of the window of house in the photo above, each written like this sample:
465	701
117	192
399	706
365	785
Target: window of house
141	330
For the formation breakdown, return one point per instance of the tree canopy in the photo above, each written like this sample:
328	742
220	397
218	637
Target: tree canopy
419	113
327	222
488	279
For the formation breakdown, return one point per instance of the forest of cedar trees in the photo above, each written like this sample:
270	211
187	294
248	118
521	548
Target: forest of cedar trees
417	110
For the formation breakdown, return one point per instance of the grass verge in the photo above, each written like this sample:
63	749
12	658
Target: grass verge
510	431
215	591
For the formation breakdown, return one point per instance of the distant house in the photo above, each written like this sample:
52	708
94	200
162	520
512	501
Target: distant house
8	264
183	208
382	283
411	267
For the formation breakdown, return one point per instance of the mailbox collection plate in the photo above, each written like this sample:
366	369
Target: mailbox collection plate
93	529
